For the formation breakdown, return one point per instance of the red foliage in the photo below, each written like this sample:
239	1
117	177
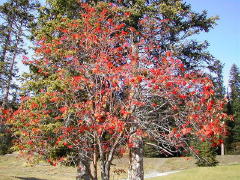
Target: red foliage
105	88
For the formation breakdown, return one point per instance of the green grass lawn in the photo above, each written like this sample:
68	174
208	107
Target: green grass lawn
14	168
230	172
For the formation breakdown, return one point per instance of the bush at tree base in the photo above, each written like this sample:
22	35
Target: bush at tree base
6	136
206	154
5	141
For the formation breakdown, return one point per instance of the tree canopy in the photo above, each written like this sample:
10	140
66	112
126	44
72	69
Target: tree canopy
94	91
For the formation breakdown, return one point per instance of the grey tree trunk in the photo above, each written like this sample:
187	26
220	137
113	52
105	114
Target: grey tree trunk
12	64
105	170
83	171
135	171
106	158
6	45
94	164
6	96
136	159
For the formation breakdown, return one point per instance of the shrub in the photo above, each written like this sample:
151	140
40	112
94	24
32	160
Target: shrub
206	154
5	141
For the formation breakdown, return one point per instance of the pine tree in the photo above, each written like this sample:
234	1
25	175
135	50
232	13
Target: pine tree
178	24
234	84
16	17
217	78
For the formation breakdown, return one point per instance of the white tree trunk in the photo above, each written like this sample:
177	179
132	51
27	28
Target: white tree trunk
222	149
105	170
136	159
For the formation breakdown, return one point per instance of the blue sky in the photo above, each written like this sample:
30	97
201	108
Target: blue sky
224	39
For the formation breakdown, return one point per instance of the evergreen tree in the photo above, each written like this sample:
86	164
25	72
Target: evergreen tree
234	84
178	24
16	17
217	79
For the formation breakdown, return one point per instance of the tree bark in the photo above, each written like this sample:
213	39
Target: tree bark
106	158
135	171
6	45
222	149
83	171
105	170
94	163
7	42
6	96
136	158
10	75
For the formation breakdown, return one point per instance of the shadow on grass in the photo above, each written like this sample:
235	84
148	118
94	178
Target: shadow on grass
29	178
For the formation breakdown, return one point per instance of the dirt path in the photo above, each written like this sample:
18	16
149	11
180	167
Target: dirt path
156	174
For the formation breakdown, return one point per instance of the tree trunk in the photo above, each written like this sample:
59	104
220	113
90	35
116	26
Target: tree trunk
222	149
8	86
10	75
6	45
94	164
136	158
135	171
105	170
83	171
106	158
